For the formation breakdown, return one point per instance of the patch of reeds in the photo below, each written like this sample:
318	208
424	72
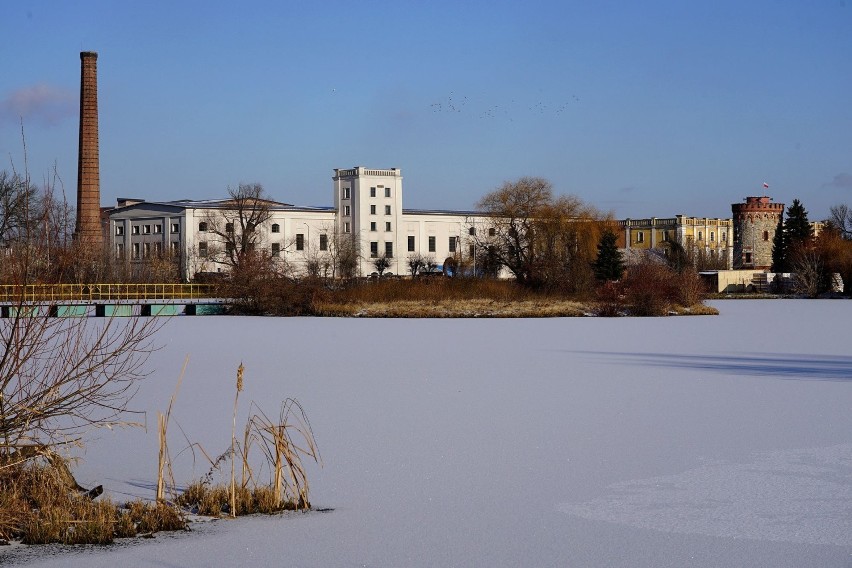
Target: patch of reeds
38	507
283	442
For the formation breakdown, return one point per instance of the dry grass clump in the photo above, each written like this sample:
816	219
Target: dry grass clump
283	442
459	309
215	500
38	507
432	289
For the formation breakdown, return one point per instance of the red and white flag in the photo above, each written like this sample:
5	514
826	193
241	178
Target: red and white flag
765	185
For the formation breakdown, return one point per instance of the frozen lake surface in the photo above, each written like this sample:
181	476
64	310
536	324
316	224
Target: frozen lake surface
695	441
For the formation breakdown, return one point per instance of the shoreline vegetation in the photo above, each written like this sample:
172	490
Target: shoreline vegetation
649	290
485	308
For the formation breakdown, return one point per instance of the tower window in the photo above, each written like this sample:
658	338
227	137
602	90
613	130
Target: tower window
387	192
765	235
372	192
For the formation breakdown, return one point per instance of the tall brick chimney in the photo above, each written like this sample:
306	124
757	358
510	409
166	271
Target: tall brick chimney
88	163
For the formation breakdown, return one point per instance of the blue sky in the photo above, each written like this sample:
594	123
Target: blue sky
642	108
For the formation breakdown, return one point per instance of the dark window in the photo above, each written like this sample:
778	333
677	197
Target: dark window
276	228
300	241
387	210
452	244
202	226
276	249
135	229
387	192
345	193
374	249
431	244
372	209
229	227
229	247
323	242
387	226
372	192
202	249
492	231
471	231
410	243
176	227
389	250
372	225
119	229
765	235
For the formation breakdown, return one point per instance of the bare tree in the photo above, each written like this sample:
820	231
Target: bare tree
429	264
841	218
544	241
17	197
381	264
237	223
416	263
61	376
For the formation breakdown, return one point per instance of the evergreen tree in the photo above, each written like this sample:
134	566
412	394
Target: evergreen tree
793	235
779	249
609	265
797	228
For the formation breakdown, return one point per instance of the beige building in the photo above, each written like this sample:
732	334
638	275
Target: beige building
712	237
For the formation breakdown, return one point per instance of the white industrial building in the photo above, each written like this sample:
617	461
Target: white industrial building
368	208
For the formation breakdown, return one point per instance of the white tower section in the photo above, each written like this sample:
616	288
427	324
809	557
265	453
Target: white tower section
369	206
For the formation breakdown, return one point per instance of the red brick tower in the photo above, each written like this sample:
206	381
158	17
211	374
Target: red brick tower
88	164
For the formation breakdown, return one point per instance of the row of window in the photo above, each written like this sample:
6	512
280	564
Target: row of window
275	247
346	193
146	229
203	227
640	236
374	249
145	250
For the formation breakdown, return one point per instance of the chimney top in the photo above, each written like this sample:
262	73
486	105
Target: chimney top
84	54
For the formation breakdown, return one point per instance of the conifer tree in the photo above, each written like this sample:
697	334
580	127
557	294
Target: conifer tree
793	235
779	249
797	228
609	264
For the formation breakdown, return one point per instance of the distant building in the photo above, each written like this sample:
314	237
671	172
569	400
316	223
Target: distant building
368	208
708	236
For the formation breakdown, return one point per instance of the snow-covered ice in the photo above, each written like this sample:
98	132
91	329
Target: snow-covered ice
682	441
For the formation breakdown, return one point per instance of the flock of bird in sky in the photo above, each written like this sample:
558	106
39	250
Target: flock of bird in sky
454	104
